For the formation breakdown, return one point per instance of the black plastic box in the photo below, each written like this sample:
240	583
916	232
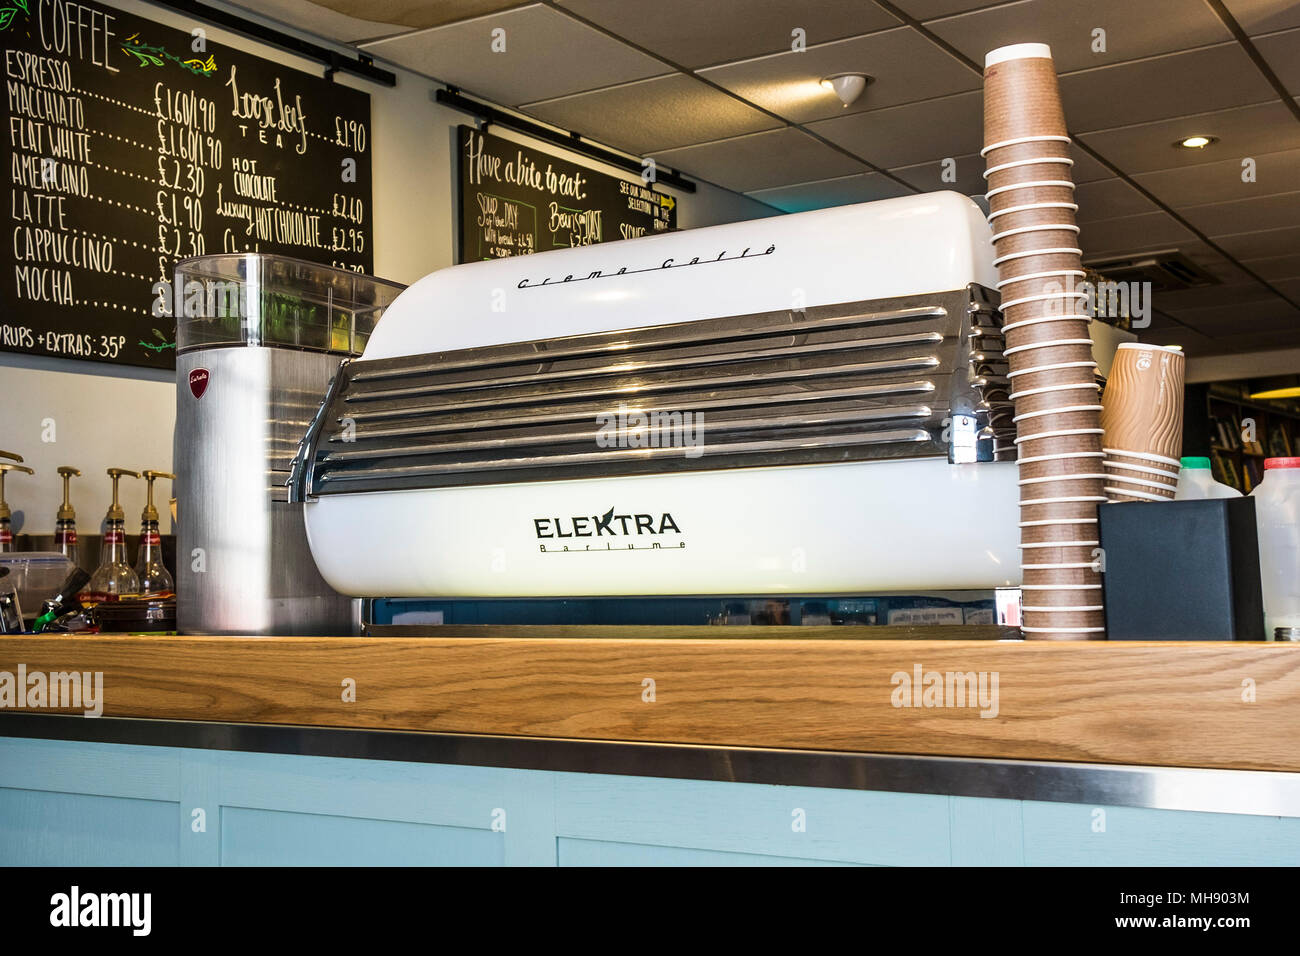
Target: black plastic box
1182	570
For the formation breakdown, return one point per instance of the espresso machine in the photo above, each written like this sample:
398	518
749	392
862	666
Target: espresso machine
501	436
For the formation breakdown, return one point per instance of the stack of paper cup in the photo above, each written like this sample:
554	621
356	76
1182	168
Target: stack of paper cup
1143	423
1036	251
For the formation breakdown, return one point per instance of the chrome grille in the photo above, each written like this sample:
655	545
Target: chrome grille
848	382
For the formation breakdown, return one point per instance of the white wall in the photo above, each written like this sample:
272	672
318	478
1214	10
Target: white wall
109	416
1227	368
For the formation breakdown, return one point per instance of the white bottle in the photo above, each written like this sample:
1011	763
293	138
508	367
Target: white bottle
1195	481
1277	512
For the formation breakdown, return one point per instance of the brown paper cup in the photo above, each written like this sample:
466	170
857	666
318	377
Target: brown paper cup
1071	578
1138	474
1047	344
1063	467
1074	597
1053	146
1066	418
1028	194
1054	381
1033	214
1143	401
1058	234
1115	495
1044	401
1044	169
1037	446
1021	96
1047	282
1063	536
1039	262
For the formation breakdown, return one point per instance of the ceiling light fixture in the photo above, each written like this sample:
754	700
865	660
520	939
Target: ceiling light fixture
1199	141
847	86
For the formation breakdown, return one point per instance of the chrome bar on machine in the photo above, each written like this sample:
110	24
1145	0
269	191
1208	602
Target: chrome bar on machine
907	377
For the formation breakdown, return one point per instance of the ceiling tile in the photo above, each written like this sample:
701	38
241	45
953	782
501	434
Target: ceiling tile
1112	237
1175	302
1197	81
832	192
903	64
1272	315
1289	288
695	34
1245	215
915	133
1275	267
926	133
1085	168
658	114
1221	181
928	177
1282	52
1264	16
761	160
461	54
359	21
408	13
1191	341
1214	262
1260	245
1109	199
1246	131
1133	30
931	9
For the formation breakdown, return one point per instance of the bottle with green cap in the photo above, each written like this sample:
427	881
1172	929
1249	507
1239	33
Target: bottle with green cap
1195	481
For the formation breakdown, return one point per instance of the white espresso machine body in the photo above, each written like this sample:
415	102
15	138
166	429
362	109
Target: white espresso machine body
842	367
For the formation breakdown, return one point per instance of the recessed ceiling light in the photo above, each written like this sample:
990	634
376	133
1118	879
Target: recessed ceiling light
1199	141
847	86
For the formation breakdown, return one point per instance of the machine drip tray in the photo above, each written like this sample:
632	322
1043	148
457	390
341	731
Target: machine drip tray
851	632
948	615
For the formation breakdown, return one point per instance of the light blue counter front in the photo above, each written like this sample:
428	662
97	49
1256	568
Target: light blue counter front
75	803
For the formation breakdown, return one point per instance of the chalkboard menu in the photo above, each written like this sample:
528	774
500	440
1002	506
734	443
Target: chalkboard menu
130	146
515	200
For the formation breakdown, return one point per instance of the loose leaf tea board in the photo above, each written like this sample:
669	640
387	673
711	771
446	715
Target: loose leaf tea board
130	146
516	200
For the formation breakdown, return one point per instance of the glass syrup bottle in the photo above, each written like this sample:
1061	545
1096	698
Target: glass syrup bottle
149	567
65	524
6	530
114	576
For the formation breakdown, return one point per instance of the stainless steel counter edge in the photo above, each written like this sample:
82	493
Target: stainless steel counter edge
1252	792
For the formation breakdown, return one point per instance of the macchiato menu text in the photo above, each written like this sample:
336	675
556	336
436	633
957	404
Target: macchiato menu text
131	146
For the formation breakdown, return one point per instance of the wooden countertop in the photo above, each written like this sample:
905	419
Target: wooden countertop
1225	705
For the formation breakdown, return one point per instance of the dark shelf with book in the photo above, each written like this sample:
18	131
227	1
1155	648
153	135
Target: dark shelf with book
1238	433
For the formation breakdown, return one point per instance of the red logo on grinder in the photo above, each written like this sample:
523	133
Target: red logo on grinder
199	382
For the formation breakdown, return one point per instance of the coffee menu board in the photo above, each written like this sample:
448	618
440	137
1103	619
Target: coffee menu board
131	146
516	200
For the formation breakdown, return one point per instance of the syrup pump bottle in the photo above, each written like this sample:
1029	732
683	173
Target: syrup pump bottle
149	567
65	524
6	532
114	577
